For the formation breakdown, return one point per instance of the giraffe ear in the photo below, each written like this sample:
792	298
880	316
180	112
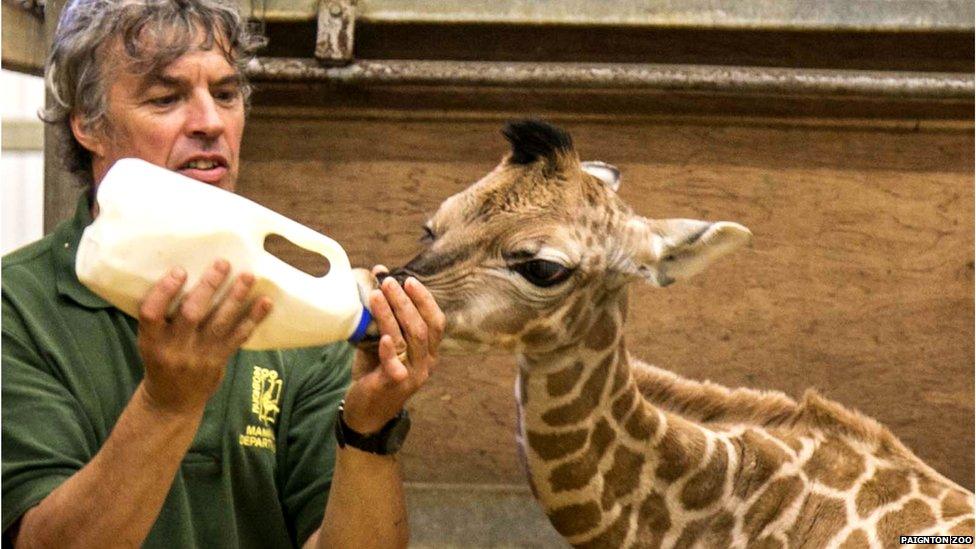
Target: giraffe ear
677	249
604	172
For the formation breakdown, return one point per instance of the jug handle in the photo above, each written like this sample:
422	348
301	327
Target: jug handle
312	241
306	238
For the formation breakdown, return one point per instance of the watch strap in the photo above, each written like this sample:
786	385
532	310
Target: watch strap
384	442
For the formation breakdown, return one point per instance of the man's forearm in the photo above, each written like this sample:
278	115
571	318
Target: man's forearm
114	499
366	505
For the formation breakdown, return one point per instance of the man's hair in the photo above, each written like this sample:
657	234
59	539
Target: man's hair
152	34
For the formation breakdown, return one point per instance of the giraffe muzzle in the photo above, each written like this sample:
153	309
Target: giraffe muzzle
367	282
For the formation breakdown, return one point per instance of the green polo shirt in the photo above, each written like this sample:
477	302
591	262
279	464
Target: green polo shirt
259	469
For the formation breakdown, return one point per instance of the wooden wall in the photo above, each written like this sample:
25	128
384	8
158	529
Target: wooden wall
859	281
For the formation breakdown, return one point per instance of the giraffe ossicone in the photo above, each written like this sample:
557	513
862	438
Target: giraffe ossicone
536	257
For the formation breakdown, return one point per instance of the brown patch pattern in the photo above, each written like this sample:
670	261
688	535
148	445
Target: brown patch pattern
575	519
613	536
622	404
787	438
523	381
759	459
964	528
603	332
766	543
691	533
928	486
555	446
955	504
654	520
856	540
577	473
719	532
622	477
820	519
582	406
539	336
886	486
705	486
767	508
562	382
643	423
679	450
913	517
834	464
715	531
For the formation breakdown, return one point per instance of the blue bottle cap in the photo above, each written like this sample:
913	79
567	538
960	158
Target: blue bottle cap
360	332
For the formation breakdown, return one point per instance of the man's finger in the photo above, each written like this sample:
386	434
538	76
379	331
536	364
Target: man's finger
411	323
197	303
232	307
152	311
385	319
393	367
259	310
429	311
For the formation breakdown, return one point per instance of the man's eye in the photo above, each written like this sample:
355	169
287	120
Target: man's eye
227	96
164	100
543	273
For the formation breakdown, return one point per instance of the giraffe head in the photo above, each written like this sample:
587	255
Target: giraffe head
525	258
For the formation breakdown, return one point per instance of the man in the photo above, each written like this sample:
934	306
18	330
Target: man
159	431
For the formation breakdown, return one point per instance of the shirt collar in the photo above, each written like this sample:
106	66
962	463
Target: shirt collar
66	239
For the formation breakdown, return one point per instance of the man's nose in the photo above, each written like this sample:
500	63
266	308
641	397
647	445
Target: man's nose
204	118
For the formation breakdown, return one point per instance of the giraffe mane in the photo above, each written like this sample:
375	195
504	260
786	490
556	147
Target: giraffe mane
708	402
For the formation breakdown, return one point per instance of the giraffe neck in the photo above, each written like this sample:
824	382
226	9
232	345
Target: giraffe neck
596	451
613	470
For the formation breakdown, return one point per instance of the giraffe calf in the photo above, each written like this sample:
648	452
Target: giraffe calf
536	258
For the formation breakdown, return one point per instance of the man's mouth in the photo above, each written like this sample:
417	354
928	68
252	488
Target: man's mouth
207	170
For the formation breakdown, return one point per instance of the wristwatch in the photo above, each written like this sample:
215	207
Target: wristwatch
384	442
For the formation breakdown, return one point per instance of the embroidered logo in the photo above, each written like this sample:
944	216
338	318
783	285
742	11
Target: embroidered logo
265	405
265	395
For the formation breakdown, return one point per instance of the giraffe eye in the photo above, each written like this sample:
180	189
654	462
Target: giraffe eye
428	235
543	273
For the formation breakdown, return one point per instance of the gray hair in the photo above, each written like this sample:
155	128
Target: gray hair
152	34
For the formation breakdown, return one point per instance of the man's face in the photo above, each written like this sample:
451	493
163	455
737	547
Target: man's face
188	117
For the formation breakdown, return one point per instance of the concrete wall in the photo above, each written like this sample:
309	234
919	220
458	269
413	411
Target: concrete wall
859	282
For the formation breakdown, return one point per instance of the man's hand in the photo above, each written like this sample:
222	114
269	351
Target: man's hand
411	327
185	355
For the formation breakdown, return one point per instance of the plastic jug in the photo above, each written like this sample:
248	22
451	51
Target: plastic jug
152	219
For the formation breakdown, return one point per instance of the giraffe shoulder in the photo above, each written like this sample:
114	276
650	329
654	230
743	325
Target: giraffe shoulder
833	419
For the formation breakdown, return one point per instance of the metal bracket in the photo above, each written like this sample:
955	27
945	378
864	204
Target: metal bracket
336	23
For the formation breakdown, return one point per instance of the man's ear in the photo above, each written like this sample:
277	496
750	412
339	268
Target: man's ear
90	138
676	249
